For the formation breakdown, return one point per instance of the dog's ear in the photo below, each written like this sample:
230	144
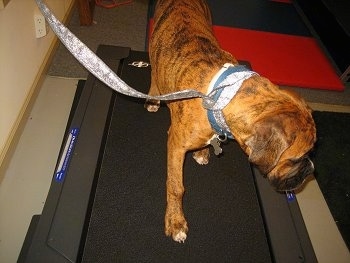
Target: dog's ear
266	145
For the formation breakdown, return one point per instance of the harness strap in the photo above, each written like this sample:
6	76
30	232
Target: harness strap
222	89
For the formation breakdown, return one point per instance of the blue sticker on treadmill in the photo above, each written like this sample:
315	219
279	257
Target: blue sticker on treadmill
66	155
290	196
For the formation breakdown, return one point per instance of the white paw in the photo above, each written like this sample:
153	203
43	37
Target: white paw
201	160
180	237
152	108
152	105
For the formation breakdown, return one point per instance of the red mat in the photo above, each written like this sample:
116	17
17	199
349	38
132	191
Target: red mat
284	59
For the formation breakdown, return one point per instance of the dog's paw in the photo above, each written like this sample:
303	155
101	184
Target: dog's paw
201	160
176	227
152	105
201	156
180	237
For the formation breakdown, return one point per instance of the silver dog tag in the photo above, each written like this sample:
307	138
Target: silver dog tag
215	142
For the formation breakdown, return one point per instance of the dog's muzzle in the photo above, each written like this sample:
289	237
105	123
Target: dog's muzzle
295	177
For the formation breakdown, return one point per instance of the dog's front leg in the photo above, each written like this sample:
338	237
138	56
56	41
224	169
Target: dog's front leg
175	222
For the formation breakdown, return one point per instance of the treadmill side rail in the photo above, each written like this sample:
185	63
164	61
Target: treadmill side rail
57	237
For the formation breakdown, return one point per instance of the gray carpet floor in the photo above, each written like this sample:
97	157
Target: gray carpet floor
121	26
127	26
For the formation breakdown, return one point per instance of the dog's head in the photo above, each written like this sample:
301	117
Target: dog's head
279	147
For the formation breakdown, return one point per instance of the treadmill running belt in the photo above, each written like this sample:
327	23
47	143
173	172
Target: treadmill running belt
127	219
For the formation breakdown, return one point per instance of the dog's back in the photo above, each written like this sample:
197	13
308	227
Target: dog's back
183	44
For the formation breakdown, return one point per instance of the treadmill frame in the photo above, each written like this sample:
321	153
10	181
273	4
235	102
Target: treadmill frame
58	234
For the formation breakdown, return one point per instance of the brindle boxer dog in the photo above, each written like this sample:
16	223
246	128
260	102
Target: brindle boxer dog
273	127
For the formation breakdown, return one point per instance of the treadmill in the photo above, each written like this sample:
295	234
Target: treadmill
107	199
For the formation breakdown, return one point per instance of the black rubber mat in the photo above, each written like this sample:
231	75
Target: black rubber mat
332	168
127	220
261	15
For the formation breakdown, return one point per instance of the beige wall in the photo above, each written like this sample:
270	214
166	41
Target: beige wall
22	63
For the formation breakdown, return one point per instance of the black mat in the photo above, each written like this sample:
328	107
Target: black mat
126	223
332	162
261	15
